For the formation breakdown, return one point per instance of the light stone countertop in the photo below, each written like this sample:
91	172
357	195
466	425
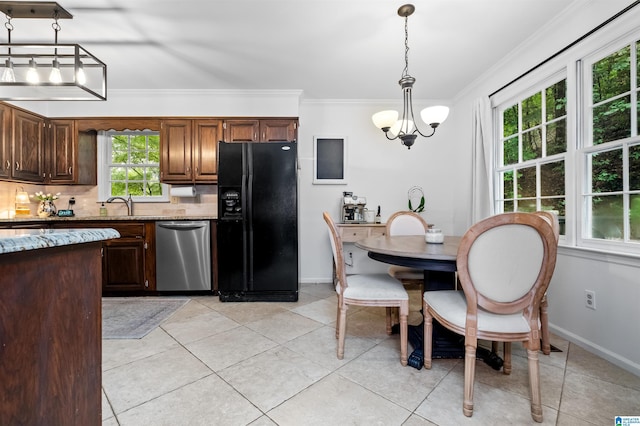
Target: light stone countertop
28	219
16	240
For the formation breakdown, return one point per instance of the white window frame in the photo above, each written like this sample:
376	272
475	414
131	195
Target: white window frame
576	61
586	148
104	162
498	169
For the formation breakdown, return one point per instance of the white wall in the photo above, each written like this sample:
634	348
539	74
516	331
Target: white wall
612	329
381	170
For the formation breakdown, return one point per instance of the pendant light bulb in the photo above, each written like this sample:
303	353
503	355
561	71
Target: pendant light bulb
81	77
32	72
55	77
8	76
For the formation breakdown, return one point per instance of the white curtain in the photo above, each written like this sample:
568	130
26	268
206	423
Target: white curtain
482	185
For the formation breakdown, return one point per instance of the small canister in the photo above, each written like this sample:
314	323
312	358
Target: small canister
434	236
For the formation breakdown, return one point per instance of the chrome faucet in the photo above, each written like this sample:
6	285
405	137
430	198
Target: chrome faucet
128	202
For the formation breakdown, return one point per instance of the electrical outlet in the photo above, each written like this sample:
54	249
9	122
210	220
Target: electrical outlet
590	299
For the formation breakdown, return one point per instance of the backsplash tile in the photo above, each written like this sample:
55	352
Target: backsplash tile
87	205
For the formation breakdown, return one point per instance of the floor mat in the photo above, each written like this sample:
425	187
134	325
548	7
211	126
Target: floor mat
135	317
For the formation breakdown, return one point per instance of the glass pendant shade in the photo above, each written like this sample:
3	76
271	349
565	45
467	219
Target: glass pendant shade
55	76
8	75
402	127
434	115
385	119
32	73
81	77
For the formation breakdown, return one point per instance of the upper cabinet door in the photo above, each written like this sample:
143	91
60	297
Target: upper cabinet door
241	130
206	134
175	142
5	142
278	130
28	133
61	151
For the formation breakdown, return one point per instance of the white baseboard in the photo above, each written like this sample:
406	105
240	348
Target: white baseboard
605	353
322	280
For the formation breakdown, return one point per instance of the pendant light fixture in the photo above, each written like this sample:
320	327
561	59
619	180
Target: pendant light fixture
47	72
406	128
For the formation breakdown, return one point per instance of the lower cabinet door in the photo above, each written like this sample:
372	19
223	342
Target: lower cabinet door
123	265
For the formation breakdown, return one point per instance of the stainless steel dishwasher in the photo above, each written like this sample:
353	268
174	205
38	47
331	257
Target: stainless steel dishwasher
183	256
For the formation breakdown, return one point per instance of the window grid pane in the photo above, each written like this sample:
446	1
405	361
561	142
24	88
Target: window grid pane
134	168
613	173
542	133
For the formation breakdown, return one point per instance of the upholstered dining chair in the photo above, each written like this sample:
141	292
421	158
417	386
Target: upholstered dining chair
552	219
365	290
504	263
406	223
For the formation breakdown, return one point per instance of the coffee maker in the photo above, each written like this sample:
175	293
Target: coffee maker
353	208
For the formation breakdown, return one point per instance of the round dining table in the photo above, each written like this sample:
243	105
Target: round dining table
438	260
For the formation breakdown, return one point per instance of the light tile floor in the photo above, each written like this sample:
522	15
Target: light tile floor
214	363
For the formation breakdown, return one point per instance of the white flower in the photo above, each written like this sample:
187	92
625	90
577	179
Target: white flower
39	195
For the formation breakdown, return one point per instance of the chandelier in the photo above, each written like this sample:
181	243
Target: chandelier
406	129
47	72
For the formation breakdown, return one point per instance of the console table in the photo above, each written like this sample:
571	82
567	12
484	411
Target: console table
352	232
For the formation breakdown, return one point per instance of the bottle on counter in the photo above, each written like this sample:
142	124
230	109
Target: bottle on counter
103	210
378	217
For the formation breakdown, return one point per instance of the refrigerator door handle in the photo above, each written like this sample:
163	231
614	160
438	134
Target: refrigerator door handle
249	213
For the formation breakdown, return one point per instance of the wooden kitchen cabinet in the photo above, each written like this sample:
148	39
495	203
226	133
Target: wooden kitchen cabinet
189	150
36	150
263	130
51	371
5	142
27	147
128	262
71	157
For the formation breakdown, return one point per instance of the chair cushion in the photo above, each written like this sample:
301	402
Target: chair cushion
374	286
405	273
452	305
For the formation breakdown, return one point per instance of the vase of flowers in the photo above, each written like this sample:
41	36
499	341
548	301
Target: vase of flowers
46	207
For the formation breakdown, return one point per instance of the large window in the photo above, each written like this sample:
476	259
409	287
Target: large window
533	146
571	144
611	152
130	165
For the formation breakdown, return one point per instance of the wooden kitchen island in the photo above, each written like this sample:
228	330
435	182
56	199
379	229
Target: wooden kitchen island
50	326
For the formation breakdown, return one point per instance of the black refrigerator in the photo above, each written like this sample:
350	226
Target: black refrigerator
257	231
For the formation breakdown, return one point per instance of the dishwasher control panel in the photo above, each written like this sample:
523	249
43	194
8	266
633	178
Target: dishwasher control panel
231	205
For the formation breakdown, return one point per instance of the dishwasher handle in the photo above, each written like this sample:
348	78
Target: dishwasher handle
186	226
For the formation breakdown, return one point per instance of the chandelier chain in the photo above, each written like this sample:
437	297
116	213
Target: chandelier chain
56	27
9	26
405	72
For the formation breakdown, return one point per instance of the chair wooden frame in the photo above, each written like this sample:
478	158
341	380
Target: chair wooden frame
477	304
409	277
552	219
389	294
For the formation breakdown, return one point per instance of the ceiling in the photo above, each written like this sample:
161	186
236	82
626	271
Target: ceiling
328	49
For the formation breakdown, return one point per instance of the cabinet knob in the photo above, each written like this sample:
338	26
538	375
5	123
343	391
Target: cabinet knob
8	164
17	166
70	169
